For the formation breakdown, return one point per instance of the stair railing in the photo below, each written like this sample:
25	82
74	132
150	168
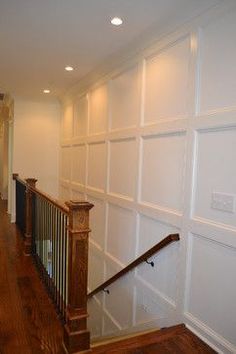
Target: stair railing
143	258
56	235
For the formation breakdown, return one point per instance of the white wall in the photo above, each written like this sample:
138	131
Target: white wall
150	145
36	142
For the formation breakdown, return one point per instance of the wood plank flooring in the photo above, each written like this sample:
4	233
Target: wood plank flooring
174	340
28	321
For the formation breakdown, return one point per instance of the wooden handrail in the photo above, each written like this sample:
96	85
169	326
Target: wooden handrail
51	200
163	243
16	177
35	190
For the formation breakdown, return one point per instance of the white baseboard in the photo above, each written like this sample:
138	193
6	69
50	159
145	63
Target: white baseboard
143	327
13	218
209	336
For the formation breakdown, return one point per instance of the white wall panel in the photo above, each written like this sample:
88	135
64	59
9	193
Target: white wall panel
64	193
80	117
119	303
78	164
215	173
163	170
218	70
167	83
121	233
125	99
213	286
163	276
109	325
148	305
152	231
98	110
66	163
97	220
67	123
77	195
123	162
97	165
96	267
95	318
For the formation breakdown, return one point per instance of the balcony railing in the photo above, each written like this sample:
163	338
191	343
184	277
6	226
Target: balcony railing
56	236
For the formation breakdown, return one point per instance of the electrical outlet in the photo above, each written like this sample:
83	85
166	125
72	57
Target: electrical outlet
223	202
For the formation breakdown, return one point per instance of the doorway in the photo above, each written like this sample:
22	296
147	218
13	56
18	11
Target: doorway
6	149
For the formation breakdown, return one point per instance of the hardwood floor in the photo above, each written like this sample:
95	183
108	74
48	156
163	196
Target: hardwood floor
28	321
174	340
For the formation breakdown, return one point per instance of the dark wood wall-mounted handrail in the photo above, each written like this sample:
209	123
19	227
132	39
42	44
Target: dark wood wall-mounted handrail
143	258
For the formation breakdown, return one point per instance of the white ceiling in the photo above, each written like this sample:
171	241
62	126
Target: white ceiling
39	37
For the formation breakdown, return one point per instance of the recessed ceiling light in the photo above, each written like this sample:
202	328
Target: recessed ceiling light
116	21
69	68
46	91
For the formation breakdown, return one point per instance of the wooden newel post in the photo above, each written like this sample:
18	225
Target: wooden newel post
30	182
14	176
76	335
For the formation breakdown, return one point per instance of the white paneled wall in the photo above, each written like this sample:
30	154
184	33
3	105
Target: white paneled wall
80	117
122	155
166	84
165	153
216	259
218	86
125	99
98	110
153	147
97	166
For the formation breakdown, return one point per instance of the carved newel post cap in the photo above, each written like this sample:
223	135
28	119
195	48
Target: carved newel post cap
79	205
31	181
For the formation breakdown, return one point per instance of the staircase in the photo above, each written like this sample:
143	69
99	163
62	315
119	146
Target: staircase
56	236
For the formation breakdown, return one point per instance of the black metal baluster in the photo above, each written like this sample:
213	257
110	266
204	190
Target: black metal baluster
37	228
47	244
57	262
50	248
60	262
63	267
40	229
53	252
20	206
43	232
44	236
66	263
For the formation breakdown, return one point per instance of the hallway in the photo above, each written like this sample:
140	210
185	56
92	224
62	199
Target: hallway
28	322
